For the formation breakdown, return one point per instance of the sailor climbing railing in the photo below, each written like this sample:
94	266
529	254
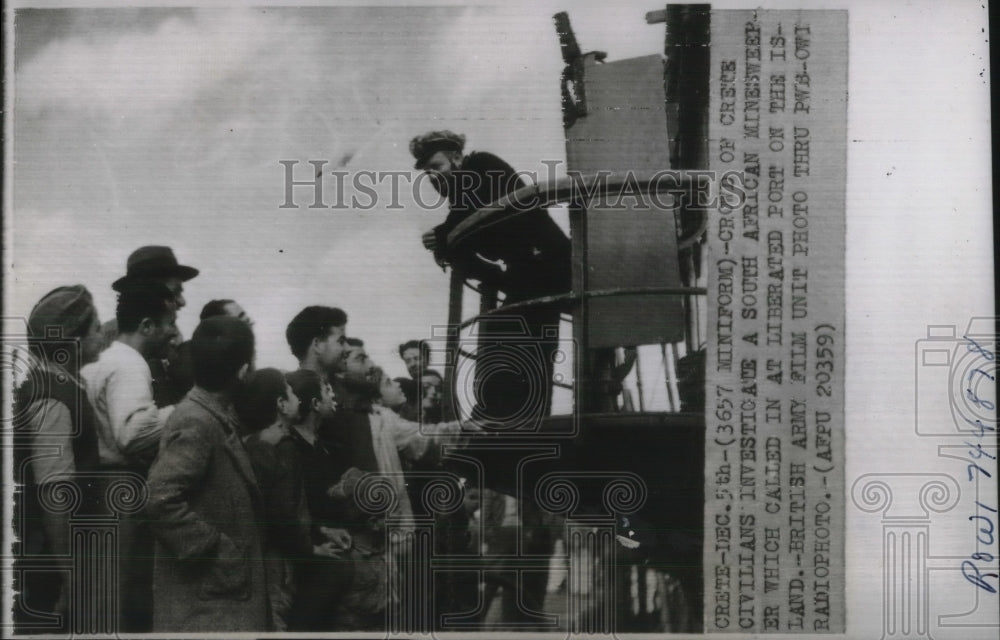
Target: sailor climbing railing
680	193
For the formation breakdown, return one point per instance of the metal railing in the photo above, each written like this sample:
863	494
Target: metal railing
579	192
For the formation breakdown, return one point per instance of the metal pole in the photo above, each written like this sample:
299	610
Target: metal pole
451	344
638	381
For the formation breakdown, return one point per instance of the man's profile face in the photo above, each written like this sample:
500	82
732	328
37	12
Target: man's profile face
413	361
331	350
172	350
176	286
164	333
357	366
440	167
234	310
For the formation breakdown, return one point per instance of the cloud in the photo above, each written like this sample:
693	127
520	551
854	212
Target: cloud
135	71
148	127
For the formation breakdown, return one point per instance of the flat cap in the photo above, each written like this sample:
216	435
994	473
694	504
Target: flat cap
62	312
424	146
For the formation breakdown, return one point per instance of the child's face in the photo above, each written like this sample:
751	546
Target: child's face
392	393
288	406
327	401
431	385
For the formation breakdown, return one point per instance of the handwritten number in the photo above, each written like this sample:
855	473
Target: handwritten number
975	346
977	449
982	428
976	400
981	372
979	469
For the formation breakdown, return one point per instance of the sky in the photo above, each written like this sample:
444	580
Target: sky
145	125
166	126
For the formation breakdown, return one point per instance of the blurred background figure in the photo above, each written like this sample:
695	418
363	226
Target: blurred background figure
431	384
416	355
410	388
177	378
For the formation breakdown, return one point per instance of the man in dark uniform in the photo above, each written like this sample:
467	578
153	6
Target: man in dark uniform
527	256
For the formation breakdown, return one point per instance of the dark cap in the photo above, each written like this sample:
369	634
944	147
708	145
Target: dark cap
154	262
423	147
64	310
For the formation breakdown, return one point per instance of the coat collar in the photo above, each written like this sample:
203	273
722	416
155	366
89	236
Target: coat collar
220	408
224	413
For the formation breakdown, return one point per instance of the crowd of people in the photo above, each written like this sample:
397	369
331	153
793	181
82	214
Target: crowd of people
253	520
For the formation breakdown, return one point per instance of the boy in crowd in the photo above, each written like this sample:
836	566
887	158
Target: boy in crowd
322	582
391	394
268	411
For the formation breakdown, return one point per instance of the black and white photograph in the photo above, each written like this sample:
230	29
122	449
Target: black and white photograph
492	319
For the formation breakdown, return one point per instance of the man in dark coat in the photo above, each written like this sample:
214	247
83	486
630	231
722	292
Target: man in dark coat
526	256
204	503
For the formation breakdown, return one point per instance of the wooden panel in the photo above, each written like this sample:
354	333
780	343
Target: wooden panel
626	123
626	245
632	248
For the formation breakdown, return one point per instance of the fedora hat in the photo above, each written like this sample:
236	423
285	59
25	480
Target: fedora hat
154	262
